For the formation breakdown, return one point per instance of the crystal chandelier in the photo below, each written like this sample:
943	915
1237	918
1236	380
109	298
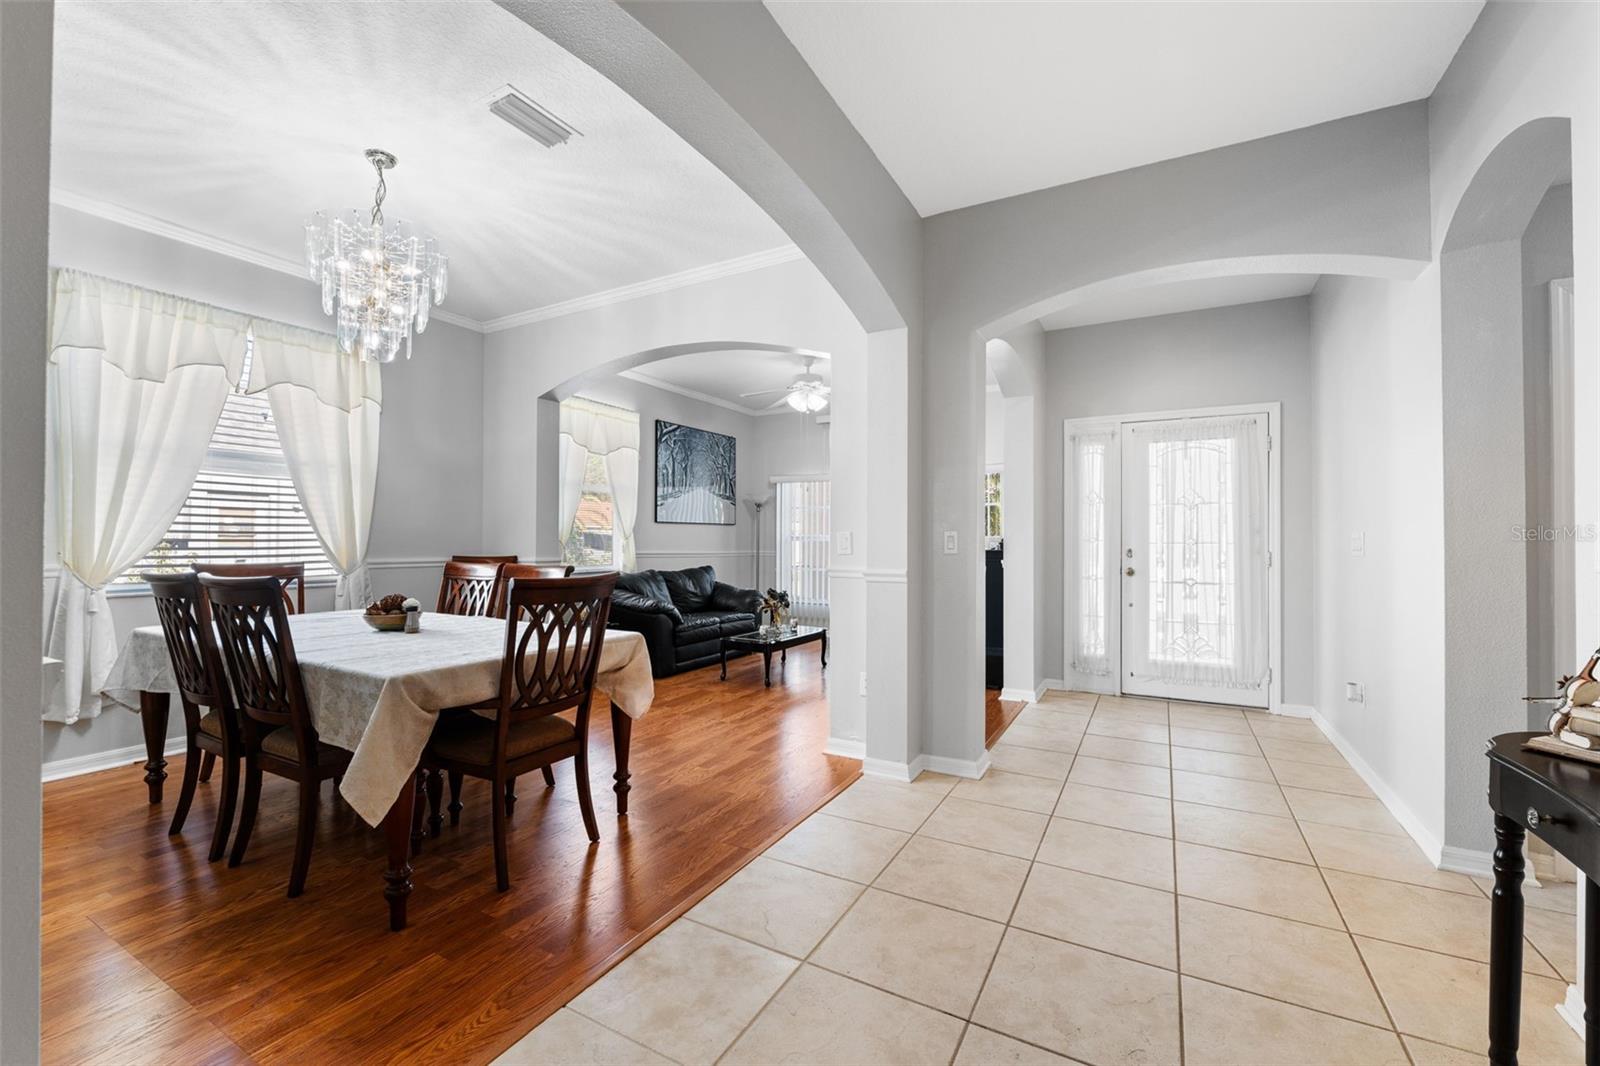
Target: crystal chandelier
377	278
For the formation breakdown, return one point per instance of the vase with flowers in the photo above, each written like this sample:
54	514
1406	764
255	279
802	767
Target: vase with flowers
776	605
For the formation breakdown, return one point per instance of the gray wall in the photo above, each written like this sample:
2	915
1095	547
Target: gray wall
768	446
25	34
1546	256
1254	353
429	500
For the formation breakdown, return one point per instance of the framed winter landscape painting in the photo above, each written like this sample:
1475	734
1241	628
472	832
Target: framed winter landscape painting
695	475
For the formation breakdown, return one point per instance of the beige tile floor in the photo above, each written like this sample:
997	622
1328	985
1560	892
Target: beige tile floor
1132	882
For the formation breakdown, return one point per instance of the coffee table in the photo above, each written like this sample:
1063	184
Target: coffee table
780	641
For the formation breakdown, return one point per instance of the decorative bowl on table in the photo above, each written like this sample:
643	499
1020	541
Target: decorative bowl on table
390	614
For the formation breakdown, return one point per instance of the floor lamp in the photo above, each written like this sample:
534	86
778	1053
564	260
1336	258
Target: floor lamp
757	506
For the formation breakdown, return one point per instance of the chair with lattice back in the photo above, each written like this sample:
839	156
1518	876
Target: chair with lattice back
555	629
274	713
197	671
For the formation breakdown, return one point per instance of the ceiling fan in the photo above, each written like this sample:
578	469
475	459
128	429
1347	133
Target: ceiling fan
807	393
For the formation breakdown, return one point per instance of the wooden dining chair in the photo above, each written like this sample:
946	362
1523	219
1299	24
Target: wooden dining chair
508	572
274	714
286	574
471	589
483	558
549	666
197	670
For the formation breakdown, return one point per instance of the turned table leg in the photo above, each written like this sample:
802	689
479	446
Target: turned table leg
397	834
622	740
1591	972
1505	943
153	708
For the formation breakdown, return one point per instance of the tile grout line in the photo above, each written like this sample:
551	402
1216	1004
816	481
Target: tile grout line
1372	982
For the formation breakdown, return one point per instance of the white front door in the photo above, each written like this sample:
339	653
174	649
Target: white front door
1194	560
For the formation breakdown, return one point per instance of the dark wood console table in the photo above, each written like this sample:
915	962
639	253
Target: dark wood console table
1557	800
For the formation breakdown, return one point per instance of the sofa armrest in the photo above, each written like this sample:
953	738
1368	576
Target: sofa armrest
656	629
633	603
727	598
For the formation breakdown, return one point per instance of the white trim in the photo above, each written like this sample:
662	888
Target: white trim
846	573
1465	861
666	283
1295	710
1571	1009
968	768
894	771
138	220
136	589
127	216
882	576
1015	695
94	762
1432	848
721	553
1055	684
846	749
703	397
1274	414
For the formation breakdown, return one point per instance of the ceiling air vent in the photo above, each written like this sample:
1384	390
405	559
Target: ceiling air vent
529	117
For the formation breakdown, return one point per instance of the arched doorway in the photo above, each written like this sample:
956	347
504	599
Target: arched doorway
1509	453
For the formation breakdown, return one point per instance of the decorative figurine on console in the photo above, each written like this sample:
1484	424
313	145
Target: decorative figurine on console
1575	723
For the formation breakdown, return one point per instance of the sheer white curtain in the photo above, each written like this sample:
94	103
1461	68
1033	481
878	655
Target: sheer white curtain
1094	561
137	380
592	428
327	406
1208	533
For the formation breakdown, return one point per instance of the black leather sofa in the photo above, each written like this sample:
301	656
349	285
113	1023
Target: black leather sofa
683	614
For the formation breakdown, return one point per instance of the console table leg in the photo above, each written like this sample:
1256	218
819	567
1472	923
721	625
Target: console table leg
766	668
622	742
153	708
1591	972
1505	943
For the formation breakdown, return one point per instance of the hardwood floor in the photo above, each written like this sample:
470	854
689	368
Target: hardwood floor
152	954
997	715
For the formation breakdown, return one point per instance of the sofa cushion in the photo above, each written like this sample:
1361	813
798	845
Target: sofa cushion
697	627
646	583
690	589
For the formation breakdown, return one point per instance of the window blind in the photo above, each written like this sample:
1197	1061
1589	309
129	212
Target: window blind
804	535
243	507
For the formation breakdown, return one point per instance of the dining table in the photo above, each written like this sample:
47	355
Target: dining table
377	695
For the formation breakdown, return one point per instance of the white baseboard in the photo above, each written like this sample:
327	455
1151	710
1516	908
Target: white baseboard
1052	683
1571	1009
1019	695
1296	710
1431	846
894	771
1466	861
849	749
94	762
969	768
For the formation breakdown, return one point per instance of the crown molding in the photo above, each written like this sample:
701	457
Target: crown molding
138	220
743	264
160	227
703	397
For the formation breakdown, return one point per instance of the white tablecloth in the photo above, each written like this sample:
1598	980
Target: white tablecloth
378	694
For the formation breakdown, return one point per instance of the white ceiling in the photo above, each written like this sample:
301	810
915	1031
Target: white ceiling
720	377
1178	296
966	102
239	120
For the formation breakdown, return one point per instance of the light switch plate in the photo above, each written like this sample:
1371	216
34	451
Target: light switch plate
1358	544
949	542
845	542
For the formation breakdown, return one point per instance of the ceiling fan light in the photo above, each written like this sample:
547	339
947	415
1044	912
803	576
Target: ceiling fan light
798	400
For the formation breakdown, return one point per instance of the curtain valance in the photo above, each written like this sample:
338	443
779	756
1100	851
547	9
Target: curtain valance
289	355
143	333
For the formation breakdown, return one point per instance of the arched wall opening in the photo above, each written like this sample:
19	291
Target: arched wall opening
1510	542
1294	609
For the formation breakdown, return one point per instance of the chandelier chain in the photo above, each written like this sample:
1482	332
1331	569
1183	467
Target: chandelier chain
378	194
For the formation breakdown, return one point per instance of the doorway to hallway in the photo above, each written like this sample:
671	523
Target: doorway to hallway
1173	522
